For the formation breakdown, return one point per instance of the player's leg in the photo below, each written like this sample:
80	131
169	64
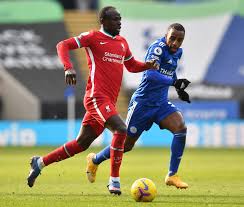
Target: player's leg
68	150
118	127
128	145
104	154
85	141
137	123
85	137
135	127
175	123
105	113
93	160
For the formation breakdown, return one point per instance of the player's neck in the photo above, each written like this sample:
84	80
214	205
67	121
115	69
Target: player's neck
106	33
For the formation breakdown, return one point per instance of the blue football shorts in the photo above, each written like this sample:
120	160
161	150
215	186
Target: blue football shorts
141	117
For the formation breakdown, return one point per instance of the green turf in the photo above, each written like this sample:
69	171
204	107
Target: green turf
215	176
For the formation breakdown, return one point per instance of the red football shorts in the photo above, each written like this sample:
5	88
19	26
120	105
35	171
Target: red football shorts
98	110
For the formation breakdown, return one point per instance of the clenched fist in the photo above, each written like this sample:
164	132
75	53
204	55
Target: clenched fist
70	77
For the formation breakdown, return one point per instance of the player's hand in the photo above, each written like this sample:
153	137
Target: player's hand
184	96
181	84
70	77
152	64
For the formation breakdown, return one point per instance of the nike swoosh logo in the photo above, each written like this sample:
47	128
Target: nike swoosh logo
145	185
103	43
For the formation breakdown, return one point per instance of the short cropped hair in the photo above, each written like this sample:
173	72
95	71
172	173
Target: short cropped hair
177	27
103	13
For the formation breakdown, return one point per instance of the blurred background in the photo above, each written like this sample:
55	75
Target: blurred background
36	108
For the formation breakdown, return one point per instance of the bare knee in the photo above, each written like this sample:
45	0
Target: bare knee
116	124
181	127
121	129
129	143
128	148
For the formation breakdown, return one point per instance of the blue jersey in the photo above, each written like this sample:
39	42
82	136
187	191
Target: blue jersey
154	86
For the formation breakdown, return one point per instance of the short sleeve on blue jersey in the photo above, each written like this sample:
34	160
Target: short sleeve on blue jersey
156	51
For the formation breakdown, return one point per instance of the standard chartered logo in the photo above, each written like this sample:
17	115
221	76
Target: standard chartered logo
113	58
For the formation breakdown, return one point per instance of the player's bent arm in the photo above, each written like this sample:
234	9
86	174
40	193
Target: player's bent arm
63	49
136	66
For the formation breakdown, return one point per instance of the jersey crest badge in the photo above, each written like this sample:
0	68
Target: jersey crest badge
158	51
108	109
133	129
123	47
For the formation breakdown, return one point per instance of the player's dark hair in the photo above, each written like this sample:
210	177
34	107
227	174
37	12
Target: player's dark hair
103	13
177	27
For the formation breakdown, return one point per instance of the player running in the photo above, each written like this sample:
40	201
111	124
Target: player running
149	104
107	53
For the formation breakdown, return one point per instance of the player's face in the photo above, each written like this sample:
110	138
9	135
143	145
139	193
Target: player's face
112	24
174	39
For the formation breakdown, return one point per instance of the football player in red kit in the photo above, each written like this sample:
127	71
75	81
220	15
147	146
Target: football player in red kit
107	53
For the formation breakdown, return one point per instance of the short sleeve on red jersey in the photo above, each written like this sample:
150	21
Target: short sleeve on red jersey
84	39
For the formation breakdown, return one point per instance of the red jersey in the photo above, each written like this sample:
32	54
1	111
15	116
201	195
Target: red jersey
105	55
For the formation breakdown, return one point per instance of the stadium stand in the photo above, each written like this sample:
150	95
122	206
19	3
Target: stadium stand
30	69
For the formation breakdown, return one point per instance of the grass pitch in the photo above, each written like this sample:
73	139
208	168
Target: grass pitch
215	177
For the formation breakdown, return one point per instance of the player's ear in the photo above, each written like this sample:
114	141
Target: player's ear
102	20
166	35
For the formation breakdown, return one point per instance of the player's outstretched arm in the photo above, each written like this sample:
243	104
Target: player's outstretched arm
136	66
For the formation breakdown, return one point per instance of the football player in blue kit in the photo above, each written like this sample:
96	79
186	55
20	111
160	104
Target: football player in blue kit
149	104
